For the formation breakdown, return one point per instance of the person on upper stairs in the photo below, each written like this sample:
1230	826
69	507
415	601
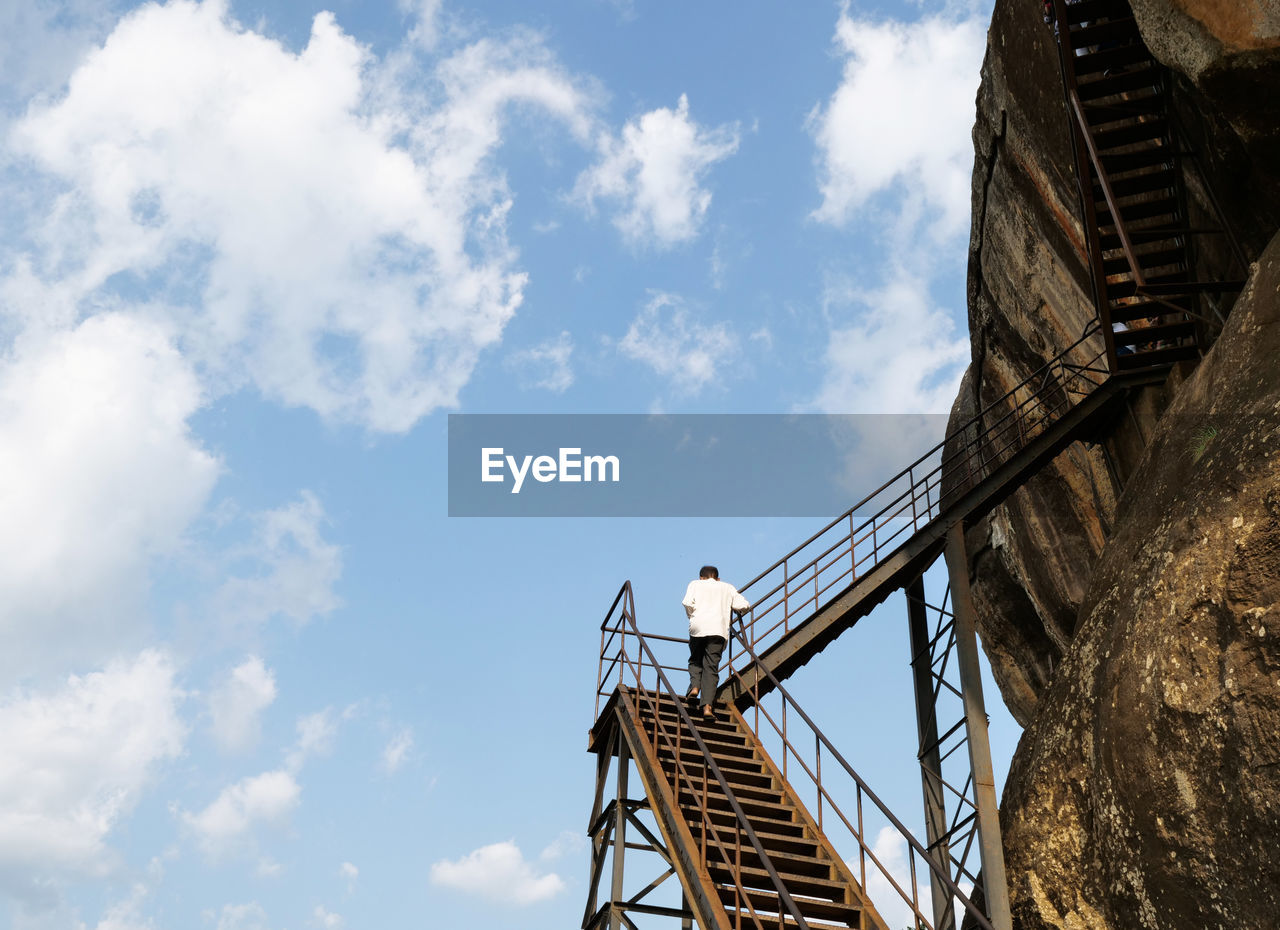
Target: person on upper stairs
708	601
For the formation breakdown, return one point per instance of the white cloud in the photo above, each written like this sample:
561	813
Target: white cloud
294	569
312	223
498	872
237	705
665	337
890	350
891	849
569	841
545	365
901	118
101	476
316	733
349	873
326	919
249	916
653	172
127	914
227	822
75	762
397	750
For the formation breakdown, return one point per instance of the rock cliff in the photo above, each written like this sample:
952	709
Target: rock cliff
1125	595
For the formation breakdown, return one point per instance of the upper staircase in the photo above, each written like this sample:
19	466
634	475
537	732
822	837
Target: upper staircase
1157	300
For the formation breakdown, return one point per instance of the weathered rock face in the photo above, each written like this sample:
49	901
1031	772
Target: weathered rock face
1146	792
1029	299
1128	602
1228	50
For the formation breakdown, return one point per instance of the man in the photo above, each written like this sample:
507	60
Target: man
708	602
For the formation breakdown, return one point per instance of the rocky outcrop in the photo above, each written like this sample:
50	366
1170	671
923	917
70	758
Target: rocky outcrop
1146	791
1230	52
1127	595
1029	298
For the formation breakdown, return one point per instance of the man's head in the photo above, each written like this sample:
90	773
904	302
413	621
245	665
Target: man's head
709	571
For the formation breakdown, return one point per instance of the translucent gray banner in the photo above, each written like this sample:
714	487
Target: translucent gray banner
685	465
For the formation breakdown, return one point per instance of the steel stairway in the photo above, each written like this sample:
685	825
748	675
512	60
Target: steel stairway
740	885
1157	301
731	826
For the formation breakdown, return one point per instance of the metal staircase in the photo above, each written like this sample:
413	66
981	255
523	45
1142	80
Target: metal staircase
1157	298
739	810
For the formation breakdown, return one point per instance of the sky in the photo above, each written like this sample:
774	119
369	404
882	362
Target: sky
253	254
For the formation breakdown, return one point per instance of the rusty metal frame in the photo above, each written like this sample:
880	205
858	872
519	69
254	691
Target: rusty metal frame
1091	167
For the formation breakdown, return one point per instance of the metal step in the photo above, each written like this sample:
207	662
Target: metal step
766	902
1156	358
1151	130
1112	59
1121	29
1170	332
1135	78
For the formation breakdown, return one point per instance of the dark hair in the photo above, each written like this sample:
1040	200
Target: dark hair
709	571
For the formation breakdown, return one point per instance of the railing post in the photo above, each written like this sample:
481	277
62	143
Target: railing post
995	884
929	754
619	838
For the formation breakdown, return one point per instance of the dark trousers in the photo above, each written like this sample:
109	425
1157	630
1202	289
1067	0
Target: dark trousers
704	665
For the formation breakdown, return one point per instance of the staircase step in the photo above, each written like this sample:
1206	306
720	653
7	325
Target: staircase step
1112	59
1156	357
1119	289
722	818
753	877
1136	78
1132	106
772	842
1143	210
1152	180
1147	130
1149	259
788	864
1143	309
735	777
745	794
1168	332
715	725
769	921
766	902
691	756
1121	29
1163	236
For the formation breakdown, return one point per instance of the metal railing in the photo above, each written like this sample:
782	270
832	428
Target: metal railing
634	671
797	585
803	771
628	662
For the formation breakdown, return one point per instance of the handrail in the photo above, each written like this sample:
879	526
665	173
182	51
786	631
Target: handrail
915	496
863	788
709	765
636	668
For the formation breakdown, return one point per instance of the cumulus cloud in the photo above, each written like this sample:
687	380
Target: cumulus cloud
75	762
901	119
289	569
239	808
326	919
545	365
653	172
309	225
890	350
349	873
666	337
498	872
316	733
101	475
397	750
248	916
235	708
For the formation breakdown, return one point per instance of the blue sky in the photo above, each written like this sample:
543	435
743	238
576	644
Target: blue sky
254	254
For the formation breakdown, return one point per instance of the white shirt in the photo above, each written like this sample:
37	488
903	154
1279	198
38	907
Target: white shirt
707	602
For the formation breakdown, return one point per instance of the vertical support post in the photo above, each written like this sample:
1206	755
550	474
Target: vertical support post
929	754
995	884
686	923
620	838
